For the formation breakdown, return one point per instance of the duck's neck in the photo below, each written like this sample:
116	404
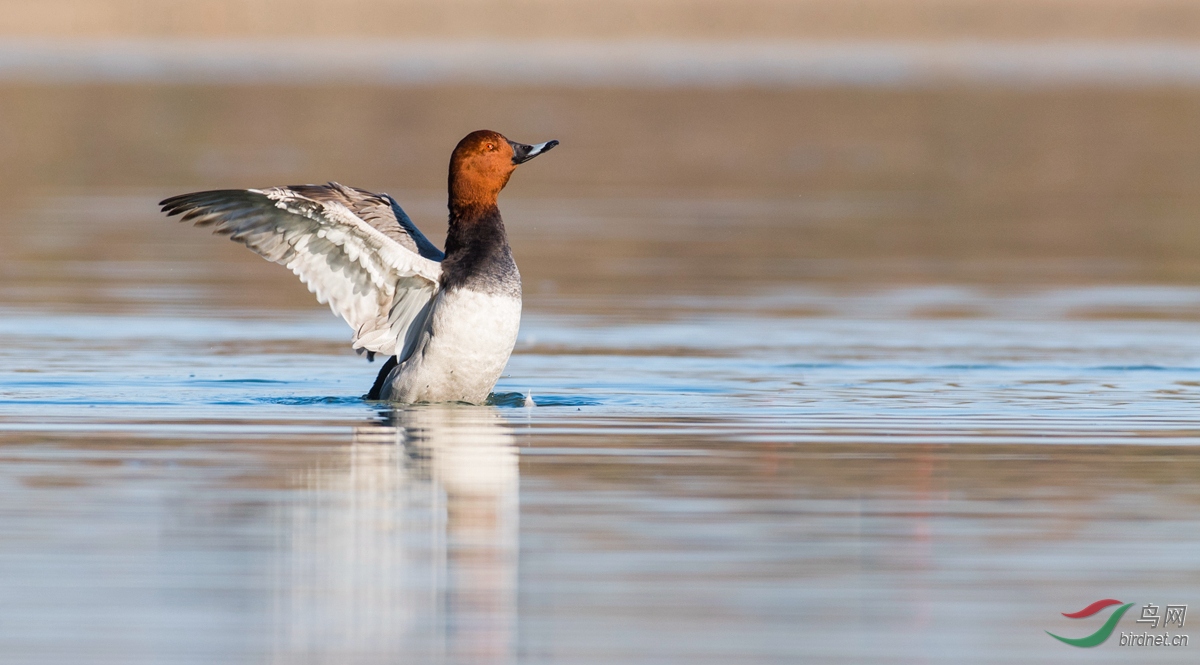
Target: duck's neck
475	226
475	222
477	254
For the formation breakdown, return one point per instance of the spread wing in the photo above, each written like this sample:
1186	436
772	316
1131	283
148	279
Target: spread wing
357	251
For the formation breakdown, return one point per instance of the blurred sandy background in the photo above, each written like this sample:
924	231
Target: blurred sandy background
661	184
588	19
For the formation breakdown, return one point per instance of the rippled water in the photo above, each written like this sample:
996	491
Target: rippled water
723	482
847	412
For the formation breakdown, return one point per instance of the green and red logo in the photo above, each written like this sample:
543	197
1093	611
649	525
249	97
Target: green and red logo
1107	629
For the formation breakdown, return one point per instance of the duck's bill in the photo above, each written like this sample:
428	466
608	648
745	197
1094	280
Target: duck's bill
523	153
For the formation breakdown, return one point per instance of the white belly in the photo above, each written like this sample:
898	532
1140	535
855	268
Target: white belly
462	351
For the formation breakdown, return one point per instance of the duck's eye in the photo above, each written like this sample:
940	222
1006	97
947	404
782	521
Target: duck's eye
491	147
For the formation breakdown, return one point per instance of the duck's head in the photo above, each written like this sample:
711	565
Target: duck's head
482	164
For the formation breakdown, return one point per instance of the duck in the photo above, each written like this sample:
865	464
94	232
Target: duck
446	320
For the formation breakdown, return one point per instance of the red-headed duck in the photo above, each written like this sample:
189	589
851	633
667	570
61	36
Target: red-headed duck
447	321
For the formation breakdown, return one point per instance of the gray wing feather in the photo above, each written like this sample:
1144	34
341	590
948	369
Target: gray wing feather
381	211
375	278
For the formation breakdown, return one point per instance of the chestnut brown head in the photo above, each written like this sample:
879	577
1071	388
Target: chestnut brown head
482	164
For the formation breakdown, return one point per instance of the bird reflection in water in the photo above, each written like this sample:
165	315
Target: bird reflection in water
405	543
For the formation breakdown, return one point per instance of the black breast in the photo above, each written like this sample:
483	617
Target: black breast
478	257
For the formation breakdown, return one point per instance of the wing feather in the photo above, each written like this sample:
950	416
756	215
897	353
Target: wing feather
361	269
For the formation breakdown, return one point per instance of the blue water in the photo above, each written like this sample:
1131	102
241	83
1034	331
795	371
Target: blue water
748	375
704	481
